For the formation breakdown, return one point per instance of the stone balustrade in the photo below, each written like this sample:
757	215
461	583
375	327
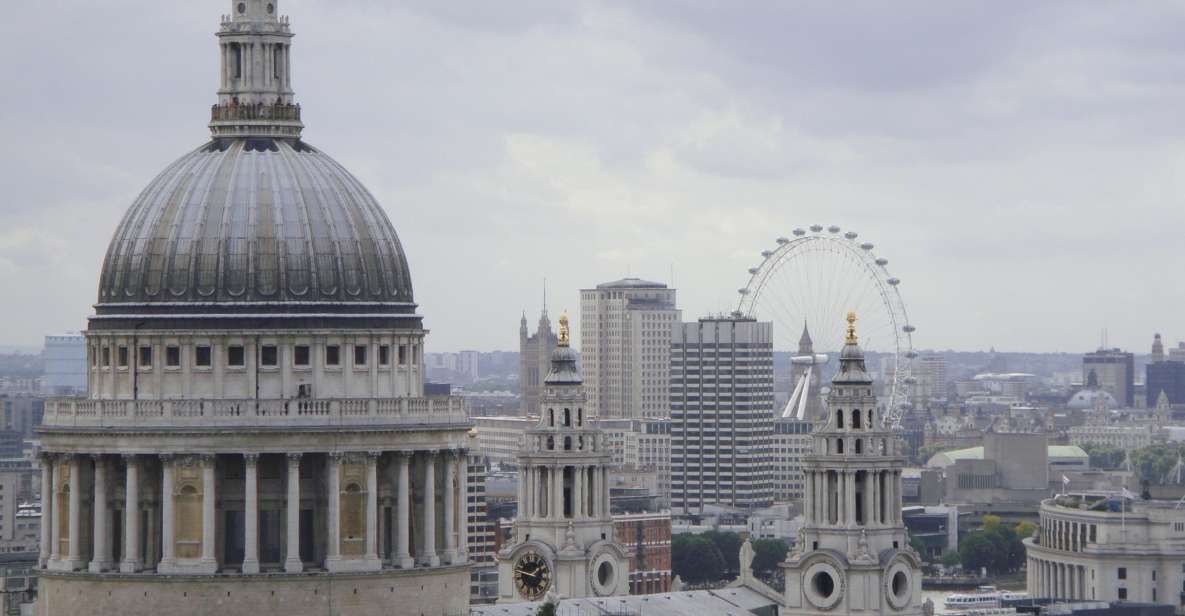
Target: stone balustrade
85	413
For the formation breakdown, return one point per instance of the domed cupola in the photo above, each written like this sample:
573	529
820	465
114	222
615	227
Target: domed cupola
255	224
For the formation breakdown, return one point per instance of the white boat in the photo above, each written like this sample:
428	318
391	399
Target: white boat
983	597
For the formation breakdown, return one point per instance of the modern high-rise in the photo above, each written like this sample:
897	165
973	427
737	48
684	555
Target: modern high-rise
722	415
625	336
1113	371
791	445
534	357
65	365
930	374
255	436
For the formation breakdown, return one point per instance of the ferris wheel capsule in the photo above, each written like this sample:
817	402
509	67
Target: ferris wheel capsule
882	261
909	329
766	253
866	246
833	229
754	270
851	235
816	228
799	232
909	380
743	291
894	281
911	354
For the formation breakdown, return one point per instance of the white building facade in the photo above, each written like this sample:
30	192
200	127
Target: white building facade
625	335
1088	549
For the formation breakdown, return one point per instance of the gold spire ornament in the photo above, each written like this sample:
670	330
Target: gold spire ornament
563	341
851	327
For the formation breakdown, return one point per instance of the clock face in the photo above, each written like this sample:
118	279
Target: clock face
532	575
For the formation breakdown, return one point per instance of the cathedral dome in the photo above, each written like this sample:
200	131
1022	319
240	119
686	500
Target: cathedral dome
256	224
255	220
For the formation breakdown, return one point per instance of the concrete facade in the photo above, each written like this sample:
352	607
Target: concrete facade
625	335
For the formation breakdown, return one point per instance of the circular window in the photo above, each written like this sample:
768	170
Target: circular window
900	584
271	8
242	8
823	584
605	573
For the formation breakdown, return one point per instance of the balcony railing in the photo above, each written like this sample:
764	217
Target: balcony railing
85	413
233	113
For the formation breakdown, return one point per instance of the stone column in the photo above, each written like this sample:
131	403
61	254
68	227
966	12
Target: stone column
74	558
101	557
463	525
47	500
428	555
292	562
897	503
131	516
557	492
209	561
250	513
372	510
333	552
450	504
402	558
850	495
168	538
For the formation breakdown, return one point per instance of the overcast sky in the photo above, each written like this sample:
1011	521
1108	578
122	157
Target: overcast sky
1019	163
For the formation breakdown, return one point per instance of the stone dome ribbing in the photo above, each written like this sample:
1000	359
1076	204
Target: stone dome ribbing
254	220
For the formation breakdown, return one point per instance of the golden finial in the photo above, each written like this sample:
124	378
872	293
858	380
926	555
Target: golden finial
563	330
851	327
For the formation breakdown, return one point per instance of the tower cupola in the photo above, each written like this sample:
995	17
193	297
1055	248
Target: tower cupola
255	97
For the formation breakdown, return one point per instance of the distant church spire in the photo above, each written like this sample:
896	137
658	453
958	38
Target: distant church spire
255	97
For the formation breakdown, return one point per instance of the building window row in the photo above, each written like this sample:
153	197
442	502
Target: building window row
236	356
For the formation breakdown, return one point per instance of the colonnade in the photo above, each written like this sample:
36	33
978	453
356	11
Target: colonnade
831	497
1067	535
579	491
1058	580
206	513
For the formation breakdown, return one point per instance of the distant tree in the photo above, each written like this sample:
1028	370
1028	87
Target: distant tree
1104	457
950	558
767	554
729	545
976	551
991	521
547	609
1025	529
918	546
1152	463
696	559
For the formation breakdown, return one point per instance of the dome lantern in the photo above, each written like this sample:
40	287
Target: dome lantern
255	97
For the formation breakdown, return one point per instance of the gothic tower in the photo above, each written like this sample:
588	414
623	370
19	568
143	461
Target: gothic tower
563	536
853	554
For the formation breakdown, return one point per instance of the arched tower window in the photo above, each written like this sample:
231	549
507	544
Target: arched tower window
567	443
870	419
839	445
236	59
567	418
551	418
856	419
859	445
839	419
551	443
579	417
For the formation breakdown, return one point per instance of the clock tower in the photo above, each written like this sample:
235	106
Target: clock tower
853	555
563	535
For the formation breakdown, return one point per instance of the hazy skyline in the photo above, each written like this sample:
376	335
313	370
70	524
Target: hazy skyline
1016	163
